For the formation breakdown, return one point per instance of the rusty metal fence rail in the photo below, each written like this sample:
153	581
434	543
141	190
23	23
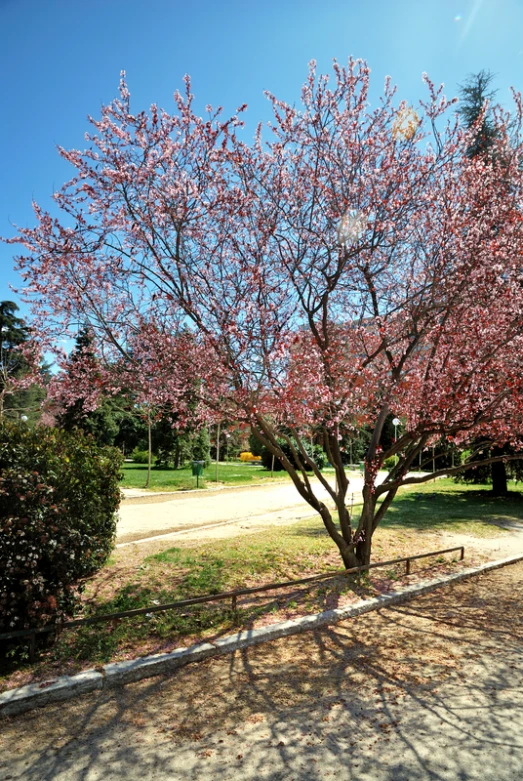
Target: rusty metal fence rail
226	595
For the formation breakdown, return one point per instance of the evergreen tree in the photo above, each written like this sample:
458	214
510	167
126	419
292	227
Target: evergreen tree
132	428
102	423
201	446
13	334
477	97
170	444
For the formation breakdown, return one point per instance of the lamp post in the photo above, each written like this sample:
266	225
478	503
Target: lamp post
396	422
217	449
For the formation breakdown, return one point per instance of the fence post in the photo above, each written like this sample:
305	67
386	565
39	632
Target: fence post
407	567
462	555
233	602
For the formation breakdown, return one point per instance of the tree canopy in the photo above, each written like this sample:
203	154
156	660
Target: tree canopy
351	262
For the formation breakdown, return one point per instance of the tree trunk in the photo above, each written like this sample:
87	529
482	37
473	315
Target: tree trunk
349	558
499	475
364	535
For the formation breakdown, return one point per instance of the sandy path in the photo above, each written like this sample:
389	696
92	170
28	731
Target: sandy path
432	689
249	507
256	506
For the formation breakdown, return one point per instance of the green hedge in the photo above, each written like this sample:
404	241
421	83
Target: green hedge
59	493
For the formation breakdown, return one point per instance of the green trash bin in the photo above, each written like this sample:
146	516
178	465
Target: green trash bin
197	470
361	466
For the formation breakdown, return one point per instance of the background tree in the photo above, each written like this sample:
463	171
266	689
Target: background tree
19	395
357	264
476	109
103	422
170	445
201	446
232	441
132	429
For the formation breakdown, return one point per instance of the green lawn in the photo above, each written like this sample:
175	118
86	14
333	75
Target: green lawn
229	473
454	507
134	578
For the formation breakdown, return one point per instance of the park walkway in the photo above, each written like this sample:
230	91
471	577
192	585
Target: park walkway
249	507
432	689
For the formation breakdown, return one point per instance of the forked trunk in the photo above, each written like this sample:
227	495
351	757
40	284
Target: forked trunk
499	475
345	548
364	533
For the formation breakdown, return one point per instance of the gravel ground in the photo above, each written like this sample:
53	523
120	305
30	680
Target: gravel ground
428	690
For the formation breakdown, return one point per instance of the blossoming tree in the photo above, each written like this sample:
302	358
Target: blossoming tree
353	264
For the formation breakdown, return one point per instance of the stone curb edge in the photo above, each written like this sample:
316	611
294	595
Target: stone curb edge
66	687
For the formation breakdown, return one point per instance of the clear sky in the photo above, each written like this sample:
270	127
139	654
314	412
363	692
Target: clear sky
61	59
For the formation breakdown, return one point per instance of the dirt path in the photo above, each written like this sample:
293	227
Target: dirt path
429	690
230	513
246	507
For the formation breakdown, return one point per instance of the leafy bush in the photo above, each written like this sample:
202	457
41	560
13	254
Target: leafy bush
140	456
59	494
317	453
389	463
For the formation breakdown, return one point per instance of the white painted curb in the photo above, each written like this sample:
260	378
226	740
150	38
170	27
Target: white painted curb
117	673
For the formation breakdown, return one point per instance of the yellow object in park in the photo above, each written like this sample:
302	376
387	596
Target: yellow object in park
248	456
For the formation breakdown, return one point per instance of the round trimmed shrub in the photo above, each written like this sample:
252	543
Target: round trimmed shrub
59	493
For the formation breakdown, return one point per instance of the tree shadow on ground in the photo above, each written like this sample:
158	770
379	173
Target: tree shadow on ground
430	689
448	509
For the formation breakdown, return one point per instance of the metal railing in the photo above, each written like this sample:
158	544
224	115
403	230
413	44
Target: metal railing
232	595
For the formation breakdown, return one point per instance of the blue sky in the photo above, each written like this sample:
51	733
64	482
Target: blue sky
61	59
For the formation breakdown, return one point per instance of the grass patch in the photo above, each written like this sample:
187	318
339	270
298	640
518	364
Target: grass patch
451	506
135	475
